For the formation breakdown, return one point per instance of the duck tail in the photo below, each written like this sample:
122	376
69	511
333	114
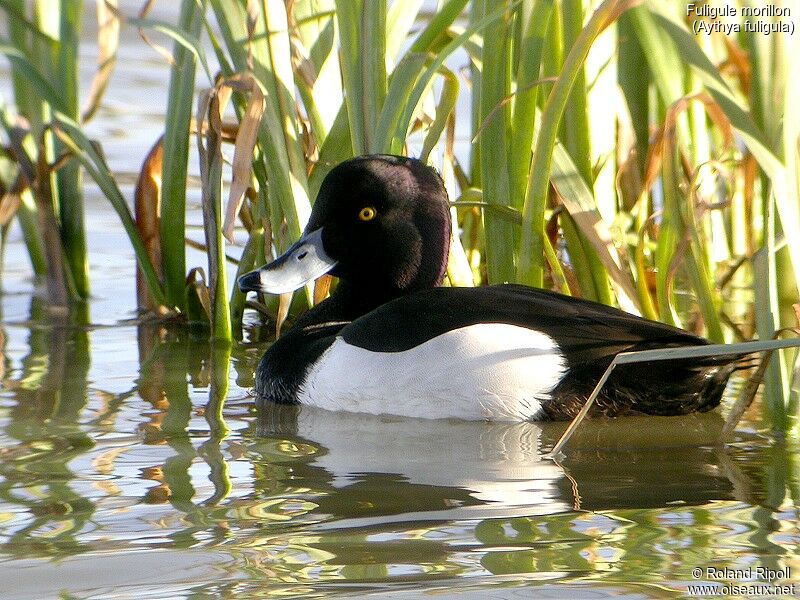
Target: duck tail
717	380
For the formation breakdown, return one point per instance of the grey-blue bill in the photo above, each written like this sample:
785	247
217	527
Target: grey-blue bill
304	261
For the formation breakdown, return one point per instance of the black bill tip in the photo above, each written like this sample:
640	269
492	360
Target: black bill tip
250	282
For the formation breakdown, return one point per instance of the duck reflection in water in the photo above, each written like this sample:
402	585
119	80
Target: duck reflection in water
467	469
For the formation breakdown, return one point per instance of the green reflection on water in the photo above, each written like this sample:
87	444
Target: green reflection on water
302	502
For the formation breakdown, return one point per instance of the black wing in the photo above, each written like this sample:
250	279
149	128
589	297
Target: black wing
586	332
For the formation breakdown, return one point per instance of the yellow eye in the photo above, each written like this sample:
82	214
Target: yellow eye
367	213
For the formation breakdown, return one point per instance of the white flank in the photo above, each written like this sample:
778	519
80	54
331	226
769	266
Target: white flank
489	371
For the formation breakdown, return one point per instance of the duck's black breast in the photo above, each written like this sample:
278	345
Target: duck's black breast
283	367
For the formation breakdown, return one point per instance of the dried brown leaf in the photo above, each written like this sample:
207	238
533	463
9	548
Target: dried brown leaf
196	279
9	204
244	147
619	7
663	140
738	62
284	302
321	288
107	43
164	52
147	210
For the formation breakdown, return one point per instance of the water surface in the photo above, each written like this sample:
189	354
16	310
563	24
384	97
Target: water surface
118	479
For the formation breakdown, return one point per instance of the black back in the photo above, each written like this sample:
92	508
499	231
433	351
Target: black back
585	331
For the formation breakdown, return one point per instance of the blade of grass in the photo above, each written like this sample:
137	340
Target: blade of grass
408	86
459	271
25	98
671	237
767	317
403	97
315	45
680	211
82	149
211	107
552	60
663	59
791	153
69	187
283	124
473	47
444	111
532	46
15	11
495	86
789	205
642	275
176	155
559	277
362	29
52	57
699	271
25	68
576	139
404	78
247	263
58	288
335	149
634	82
28	222
185	36
532	245
578	199
576	128
399	21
